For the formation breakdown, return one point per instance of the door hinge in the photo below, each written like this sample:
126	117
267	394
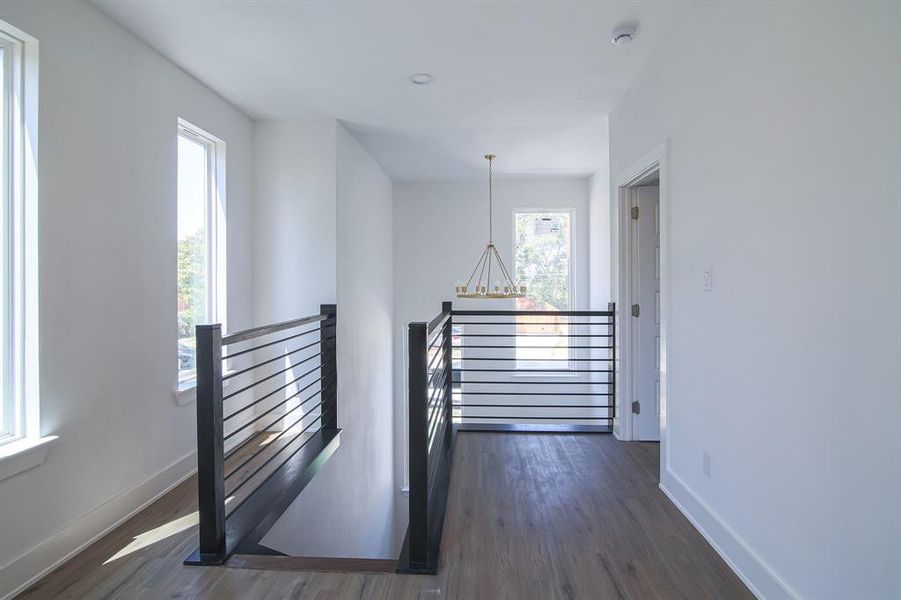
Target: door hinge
636	407
635	213
636	310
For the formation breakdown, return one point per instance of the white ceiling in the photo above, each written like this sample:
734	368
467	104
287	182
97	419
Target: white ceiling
532	82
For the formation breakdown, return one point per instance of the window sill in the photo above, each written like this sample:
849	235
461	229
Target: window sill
23	454
187	391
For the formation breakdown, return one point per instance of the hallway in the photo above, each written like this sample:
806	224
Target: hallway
529	516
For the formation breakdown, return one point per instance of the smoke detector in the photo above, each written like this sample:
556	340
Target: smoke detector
624	34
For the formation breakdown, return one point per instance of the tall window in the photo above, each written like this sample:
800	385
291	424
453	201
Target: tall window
18	236
543	261
200	213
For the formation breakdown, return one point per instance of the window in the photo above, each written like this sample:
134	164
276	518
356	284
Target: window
543	261
200	240
18	236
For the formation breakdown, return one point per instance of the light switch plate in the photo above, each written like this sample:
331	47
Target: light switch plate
708	279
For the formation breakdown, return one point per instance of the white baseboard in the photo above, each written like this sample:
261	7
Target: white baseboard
26	569
760	578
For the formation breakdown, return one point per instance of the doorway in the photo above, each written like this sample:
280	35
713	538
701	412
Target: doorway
640	284
644	275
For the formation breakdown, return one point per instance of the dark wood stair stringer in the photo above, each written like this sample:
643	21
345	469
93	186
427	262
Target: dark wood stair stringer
249	522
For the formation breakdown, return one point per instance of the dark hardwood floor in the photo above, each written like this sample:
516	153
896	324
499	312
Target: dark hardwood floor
529	516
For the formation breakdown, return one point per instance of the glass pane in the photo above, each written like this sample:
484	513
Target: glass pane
542	262
193	301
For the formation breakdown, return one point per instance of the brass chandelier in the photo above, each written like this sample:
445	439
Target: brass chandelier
490	256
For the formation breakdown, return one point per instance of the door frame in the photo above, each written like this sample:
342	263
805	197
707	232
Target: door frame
654	161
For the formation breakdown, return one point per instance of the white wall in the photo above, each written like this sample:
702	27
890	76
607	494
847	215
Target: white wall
441	227
599	294
107	168
294	218
783	137
347	510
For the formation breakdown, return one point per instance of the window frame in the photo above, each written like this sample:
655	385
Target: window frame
571	275
19	390
215	225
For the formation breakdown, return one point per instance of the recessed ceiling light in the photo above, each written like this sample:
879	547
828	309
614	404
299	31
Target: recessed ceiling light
624	34
421	78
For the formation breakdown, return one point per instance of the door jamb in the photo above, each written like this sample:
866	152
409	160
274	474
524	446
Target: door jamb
622	292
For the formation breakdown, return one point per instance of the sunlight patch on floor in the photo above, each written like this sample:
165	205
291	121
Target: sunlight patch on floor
158	534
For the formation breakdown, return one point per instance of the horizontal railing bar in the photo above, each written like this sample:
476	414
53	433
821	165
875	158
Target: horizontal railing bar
533	370
433	345
237	448
431	395
255	332
279	357
433	425
434	459
267	344
255	454
277	406
433	336
268	377
465	358
535	347
589	323
518	382
431	366
435	407
533	394
434	436
431	401
436	412
290	456
433	375
532	406
538	313
434	467
437	322
270	394
443	378
534	335
517	417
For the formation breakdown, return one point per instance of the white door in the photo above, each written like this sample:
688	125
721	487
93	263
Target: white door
646	313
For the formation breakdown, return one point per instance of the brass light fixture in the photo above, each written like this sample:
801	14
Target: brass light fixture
506	288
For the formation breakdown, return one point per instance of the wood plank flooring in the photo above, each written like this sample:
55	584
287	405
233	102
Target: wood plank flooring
541	516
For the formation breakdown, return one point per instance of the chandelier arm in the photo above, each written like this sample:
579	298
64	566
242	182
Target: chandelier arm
484	264
488	280
505	272
479	262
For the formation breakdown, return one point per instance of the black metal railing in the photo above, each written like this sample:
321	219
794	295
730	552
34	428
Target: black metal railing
266	422
534	370
548	371
430	380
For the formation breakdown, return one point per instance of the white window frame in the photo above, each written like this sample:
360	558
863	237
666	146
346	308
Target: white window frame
215	223
21	445
571	305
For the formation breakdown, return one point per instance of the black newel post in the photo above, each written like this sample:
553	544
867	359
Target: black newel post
611	307
418	418
329	366
210	482
447	308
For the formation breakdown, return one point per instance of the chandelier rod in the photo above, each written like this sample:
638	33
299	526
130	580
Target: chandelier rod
490	158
